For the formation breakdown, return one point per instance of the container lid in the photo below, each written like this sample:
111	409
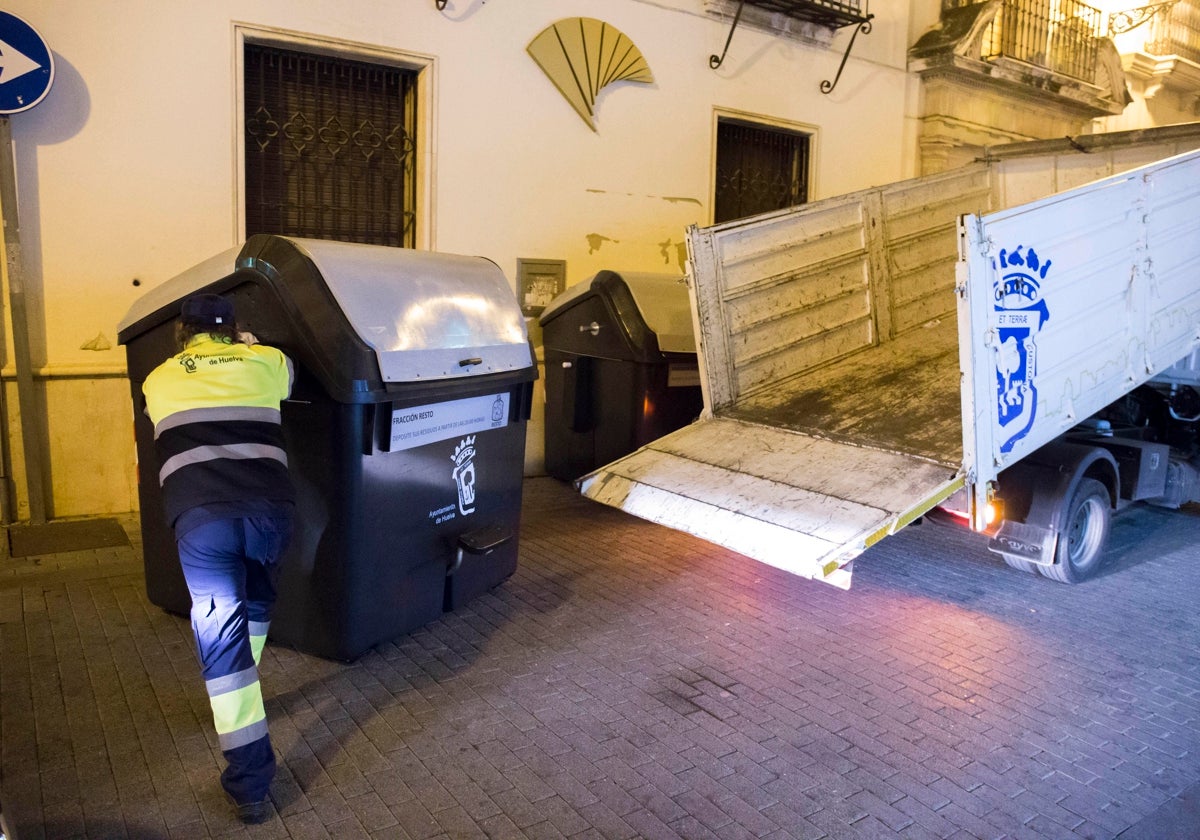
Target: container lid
661	300
664	303
427	315
423	316
171	293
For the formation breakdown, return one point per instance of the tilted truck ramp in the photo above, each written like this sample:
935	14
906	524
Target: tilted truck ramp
823	432
801	503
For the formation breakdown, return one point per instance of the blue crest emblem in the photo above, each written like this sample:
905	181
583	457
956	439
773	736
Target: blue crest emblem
1020	314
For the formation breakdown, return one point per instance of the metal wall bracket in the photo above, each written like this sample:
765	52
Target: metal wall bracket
714	61
865	28
1128	19
829	13
441	4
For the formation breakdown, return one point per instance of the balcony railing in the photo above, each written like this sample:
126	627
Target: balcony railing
1056	34
1176	32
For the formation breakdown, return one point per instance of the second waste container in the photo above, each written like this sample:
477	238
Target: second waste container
621	368
405	430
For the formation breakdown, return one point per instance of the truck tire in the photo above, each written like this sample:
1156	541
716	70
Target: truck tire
1084	534
1021	565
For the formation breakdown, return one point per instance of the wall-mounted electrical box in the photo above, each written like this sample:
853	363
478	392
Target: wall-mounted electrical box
539	282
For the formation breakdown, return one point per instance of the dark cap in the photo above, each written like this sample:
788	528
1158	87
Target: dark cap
206	311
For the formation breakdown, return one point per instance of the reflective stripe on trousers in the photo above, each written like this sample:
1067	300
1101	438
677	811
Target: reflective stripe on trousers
237	707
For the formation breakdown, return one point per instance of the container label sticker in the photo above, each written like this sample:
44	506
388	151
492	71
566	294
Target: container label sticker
422	424
1020	314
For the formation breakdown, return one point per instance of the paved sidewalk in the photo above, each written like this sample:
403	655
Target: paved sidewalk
630	681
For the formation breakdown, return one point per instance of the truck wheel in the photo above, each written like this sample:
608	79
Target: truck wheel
1085	531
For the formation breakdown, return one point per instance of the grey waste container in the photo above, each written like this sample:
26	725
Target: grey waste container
405	430
621	368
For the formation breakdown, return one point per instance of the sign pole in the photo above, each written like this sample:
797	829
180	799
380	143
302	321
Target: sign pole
30	422
26	74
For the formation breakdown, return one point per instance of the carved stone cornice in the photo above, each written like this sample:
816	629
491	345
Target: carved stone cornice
1170	73
969	102
955	47
1026	82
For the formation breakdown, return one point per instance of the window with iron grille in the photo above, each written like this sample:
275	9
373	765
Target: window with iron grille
759	168
330	147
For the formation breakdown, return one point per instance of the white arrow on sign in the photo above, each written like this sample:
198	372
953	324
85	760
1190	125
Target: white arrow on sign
14	64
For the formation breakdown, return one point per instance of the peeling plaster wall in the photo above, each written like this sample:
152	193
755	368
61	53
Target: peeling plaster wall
127	171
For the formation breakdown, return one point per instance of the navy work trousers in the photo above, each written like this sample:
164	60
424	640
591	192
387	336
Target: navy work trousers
231	567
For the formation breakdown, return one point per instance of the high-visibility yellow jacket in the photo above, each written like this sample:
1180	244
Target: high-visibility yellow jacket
215	409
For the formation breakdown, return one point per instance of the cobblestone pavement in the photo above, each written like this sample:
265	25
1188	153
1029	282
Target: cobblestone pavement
630	681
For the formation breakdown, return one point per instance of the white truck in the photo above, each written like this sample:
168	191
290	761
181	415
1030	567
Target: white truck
1018	338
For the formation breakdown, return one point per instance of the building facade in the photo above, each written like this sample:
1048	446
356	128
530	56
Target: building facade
514	131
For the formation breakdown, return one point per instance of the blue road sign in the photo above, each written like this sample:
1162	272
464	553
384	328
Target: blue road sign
26	65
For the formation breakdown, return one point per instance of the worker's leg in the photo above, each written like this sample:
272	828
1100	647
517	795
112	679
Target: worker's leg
213	562
266	539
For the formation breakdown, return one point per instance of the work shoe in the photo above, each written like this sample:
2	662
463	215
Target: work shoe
253	813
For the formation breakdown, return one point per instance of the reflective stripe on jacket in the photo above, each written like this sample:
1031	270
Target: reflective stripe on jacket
215	409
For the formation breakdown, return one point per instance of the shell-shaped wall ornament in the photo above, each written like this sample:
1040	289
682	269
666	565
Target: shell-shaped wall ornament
583	55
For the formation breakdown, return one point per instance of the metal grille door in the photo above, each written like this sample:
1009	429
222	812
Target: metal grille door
759	169
330	148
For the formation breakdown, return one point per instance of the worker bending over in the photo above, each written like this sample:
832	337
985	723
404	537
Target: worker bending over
215	406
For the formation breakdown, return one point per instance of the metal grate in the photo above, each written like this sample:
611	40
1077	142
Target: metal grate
759	169
330	148
824	12
1057	34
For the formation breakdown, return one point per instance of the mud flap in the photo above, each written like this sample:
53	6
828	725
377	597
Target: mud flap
1024	542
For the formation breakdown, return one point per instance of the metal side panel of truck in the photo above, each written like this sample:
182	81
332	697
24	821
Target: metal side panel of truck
840	402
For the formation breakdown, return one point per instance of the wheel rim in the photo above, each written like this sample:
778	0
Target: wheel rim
1086	533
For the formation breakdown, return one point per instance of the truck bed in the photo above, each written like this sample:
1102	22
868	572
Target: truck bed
796	474
830	353
902	396
852	350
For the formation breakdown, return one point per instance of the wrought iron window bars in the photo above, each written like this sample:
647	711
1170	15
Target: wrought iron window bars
828	13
